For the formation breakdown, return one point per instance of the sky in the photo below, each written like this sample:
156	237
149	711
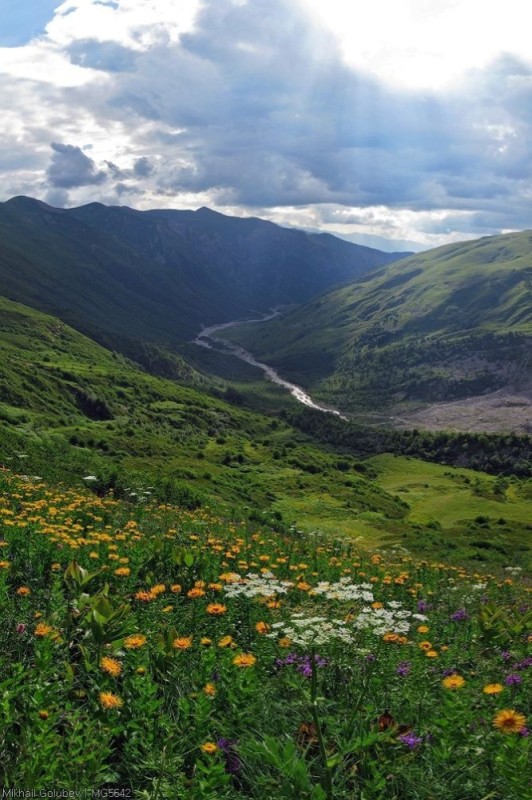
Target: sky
395	123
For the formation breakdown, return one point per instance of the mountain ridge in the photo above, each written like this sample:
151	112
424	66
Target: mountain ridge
124	276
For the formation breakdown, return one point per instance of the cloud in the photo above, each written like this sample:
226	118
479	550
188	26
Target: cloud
253	107
70	167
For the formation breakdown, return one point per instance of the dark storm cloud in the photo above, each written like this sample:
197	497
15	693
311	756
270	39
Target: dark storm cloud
70	167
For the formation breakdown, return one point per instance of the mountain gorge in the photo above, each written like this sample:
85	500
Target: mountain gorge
446	325
129	278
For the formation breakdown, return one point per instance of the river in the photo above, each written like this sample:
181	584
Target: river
207	339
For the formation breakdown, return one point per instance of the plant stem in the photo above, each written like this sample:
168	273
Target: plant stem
327	777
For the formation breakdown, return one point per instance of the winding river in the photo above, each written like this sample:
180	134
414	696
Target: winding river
206	338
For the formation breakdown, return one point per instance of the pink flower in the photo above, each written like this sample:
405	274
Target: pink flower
21	627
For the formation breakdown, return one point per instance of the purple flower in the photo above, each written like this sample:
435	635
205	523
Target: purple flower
303	664
422	606
460	615
451	671
370	657
232	760
524	731
526	662
410	739
505	655
403	669
513	679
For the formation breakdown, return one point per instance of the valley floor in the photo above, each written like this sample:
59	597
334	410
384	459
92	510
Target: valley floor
504	410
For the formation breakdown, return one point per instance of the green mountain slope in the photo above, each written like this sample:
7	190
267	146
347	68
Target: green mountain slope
70	408
124	276
446	324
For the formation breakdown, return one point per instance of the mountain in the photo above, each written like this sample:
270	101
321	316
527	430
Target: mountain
123	276
446	324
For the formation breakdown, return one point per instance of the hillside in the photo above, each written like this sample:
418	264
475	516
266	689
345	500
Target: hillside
445	325
69	408
124	277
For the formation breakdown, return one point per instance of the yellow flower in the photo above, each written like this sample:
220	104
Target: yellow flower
453	682
210	689
376	605
285	642
4	564
244	660
217	609
44	714
182	642
205	641
431	654
123	572
109	700
226	641
423	629
42	629
209	747
493	688
425	645
112	666
135	641
509	721
175	588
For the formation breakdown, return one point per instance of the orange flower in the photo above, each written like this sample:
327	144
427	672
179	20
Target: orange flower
144	597
42	629
216	609
262	627
244	660
453	682
509	720
23	591
493	688
123	572
135	641
226	641
194	593
432	654
210	689
175	588
209	748
182	642
112	666
285	642
109	700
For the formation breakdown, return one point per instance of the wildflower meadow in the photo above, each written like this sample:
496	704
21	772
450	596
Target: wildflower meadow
156	652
